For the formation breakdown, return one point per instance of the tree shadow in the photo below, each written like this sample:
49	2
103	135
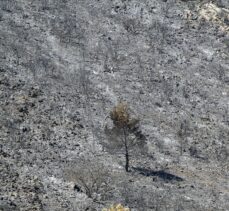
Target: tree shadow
161	174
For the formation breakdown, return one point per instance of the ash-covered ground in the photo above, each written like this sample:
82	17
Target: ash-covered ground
65	64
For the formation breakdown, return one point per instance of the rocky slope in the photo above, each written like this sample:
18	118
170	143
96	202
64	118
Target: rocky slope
65	64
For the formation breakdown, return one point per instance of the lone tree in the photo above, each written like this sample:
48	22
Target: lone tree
126	131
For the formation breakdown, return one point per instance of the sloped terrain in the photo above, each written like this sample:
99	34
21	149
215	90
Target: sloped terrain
65	64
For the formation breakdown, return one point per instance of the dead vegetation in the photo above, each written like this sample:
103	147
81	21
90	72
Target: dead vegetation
90	177
125	133
117	207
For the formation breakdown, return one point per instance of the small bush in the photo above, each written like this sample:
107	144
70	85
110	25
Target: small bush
117	207
90	177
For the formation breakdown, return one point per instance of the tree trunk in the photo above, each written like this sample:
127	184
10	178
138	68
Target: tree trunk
127	160
126	150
